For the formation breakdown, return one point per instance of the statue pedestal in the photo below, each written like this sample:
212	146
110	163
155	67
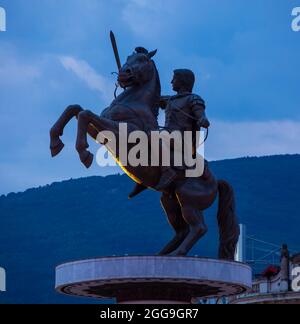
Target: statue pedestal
153	279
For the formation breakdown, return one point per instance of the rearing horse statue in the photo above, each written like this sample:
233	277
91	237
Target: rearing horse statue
186	201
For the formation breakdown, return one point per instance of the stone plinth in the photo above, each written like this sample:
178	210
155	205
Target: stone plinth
153	279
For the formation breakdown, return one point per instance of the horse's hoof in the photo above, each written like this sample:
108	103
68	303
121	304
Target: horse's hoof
56	149
87	159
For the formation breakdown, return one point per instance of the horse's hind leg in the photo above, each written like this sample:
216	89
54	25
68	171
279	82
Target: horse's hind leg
173	211
56	145
195	219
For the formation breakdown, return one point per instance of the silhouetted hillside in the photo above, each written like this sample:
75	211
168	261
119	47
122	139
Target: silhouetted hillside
92	217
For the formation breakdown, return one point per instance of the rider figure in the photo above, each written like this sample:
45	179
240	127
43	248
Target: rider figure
184	112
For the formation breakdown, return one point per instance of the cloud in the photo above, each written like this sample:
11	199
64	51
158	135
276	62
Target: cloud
147	18
87	74
239	139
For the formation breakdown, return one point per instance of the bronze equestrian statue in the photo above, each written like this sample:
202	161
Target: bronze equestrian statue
183	199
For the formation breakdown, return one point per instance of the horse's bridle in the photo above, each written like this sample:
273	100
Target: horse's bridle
117	85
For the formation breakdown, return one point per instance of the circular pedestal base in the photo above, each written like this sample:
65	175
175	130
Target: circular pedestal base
153	279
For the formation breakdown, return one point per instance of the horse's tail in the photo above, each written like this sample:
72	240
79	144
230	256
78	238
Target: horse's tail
228	222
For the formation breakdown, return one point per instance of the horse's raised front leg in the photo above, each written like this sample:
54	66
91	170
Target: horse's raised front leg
56	145
86	118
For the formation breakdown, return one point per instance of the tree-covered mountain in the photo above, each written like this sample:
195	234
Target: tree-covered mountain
92	217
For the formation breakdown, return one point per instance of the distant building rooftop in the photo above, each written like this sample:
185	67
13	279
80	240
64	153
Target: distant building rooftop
274	285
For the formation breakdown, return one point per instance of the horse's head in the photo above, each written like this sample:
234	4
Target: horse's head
138	69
